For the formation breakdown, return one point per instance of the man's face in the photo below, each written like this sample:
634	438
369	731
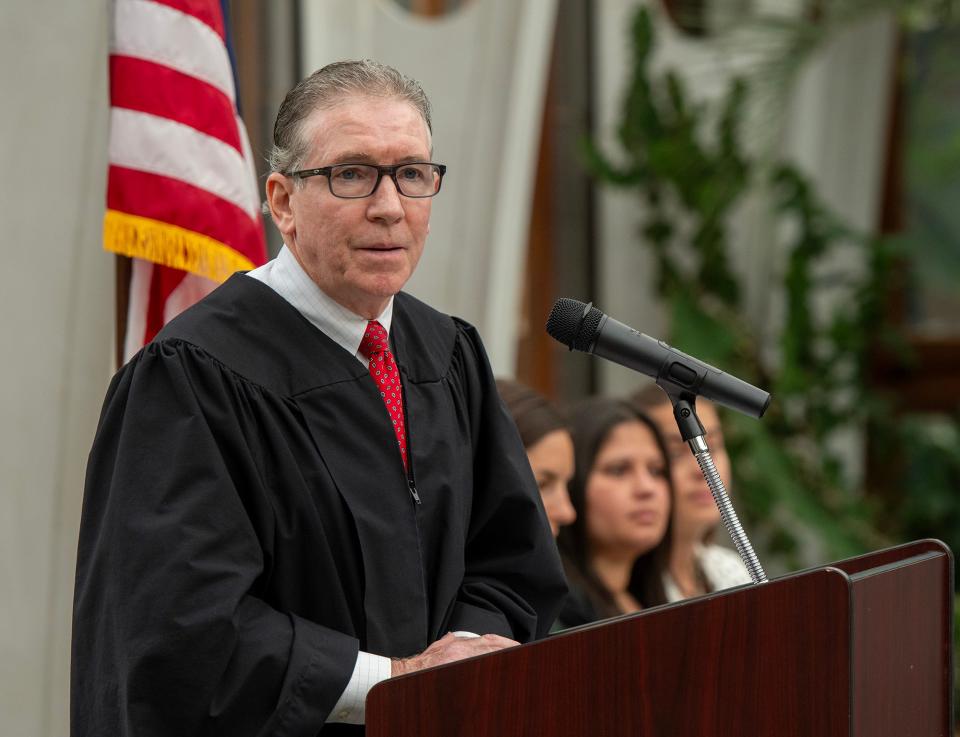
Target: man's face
359	251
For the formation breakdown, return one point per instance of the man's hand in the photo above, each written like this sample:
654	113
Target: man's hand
448	649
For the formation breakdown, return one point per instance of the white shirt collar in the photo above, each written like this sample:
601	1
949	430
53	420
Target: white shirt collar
288	279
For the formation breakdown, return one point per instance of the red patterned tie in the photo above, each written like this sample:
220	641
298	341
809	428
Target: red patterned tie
383	370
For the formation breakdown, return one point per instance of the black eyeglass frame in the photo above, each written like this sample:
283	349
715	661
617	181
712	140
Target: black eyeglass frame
381	170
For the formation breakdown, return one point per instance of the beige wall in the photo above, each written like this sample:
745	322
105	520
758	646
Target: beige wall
56	325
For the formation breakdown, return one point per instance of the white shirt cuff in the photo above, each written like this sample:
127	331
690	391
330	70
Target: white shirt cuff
351	708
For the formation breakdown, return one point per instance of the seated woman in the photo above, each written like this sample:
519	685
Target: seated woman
697	565
544	433
616	550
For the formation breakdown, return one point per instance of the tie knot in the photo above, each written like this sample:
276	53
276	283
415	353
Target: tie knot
374	340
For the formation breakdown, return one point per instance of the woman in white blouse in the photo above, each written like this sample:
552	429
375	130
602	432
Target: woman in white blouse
697	565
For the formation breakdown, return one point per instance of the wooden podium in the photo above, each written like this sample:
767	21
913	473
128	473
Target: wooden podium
860	648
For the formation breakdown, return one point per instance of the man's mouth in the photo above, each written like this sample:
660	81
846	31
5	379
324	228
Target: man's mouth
382	247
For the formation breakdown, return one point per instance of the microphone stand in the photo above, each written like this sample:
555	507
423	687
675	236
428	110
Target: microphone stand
693	432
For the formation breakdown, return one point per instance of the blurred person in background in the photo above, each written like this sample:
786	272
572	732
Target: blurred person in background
616	551
697	564
546	437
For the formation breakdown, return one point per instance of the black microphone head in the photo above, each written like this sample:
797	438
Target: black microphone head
574	323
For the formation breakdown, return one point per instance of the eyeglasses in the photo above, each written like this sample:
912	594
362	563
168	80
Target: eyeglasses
353	181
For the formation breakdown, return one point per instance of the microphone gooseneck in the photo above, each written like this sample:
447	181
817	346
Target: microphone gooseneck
727	513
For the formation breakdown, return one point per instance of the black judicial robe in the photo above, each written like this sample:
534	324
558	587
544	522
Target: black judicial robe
247	523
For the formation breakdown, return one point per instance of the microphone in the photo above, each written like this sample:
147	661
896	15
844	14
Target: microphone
583	327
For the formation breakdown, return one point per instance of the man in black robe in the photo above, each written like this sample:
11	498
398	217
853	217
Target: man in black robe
258	539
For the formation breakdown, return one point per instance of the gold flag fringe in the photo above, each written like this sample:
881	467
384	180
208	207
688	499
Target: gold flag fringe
171	245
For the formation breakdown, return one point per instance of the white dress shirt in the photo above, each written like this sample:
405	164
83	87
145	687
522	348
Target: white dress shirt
288	279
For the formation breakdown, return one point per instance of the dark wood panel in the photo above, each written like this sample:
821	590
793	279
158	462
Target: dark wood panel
761	660
536	351
929	381
122	274
560	257
887	556
902	662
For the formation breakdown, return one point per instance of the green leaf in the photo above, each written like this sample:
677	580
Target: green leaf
694	330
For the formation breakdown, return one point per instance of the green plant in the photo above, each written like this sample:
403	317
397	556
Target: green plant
690	171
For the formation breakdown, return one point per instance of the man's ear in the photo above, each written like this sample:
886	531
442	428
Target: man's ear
279	191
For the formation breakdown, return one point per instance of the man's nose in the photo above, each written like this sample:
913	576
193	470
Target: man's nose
385	202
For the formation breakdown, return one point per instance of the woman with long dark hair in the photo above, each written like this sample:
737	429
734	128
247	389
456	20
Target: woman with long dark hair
697	564
616	550
546	438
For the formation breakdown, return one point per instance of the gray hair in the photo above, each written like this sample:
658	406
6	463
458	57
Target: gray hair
326	88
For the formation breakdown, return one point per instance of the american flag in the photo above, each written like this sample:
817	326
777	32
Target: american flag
182	197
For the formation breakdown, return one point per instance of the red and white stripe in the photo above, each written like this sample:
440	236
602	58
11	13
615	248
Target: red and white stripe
181	168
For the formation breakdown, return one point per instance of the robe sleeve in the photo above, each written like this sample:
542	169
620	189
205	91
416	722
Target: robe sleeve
513	583
170	637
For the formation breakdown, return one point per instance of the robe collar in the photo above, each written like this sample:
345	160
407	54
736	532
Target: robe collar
286	277
258	334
